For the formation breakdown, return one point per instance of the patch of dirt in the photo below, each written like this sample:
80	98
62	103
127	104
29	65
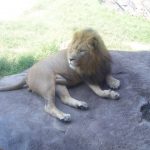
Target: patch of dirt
134	7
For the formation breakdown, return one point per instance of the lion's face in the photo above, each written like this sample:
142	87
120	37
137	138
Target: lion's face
78	53
83	52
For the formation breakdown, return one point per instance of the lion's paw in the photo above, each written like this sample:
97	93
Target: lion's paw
114	95
114	84
83	106
66	118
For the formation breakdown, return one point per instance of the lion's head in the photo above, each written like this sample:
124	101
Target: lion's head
87	54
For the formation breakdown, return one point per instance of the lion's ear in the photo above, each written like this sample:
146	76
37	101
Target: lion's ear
97	44
93	42
76	36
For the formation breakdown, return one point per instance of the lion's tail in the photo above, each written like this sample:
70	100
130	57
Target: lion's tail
13	82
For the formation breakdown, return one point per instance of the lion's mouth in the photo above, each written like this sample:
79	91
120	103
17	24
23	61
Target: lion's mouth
72	63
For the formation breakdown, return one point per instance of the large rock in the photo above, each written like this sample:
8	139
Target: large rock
107	125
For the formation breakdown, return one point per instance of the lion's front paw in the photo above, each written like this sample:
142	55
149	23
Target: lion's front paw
114	83
83	105
66	118
111	94
58	114
114	95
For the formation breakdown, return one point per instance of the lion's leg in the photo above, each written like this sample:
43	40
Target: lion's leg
104	93
60	80
112	82
51	107
65	97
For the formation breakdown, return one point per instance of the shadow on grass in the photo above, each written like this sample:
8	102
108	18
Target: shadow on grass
12	64
8	67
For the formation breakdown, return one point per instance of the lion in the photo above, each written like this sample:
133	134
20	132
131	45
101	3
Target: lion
85	59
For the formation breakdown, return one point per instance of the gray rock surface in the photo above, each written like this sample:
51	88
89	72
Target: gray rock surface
107	125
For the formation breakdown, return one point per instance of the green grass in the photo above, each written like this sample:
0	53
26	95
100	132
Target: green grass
41	29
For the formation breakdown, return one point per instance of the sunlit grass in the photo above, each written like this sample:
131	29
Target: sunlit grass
40	30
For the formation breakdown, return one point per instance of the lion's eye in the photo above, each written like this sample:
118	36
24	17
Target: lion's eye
82	50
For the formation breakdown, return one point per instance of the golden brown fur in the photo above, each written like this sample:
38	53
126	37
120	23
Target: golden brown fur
89	53
86	59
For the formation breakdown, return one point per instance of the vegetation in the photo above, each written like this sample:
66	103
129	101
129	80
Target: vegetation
40	30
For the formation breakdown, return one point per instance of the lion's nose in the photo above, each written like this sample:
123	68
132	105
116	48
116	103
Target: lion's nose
72	59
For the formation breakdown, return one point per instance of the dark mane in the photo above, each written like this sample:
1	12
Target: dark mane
97	64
